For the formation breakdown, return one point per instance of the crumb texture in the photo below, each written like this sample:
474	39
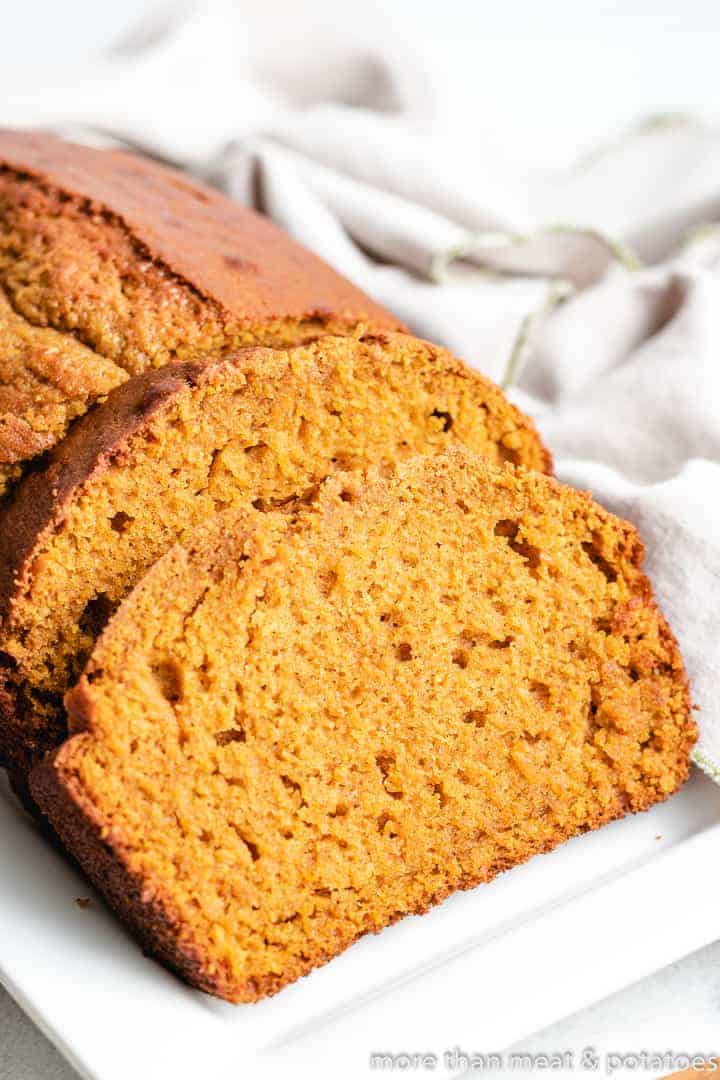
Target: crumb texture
134	266
171	447
301	726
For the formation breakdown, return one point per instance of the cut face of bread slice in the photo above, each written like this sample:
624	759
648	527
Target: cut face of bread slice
300	727
173	446
111	264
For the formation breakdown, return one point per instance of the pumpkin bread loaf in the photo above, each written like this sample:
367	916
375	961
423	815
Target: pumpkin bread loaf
301	726
111	264
174	445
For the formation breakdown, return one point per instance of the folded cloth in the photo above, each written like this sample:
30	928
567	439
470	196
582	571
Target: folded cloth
593	295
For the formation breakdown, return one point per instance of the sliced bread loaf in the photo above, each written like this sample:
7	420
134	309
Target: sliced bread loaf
173	446
301	726
133	266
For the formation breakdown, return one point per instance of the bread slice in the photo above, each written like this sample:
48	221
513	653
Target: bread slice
171	447
300	727
111	264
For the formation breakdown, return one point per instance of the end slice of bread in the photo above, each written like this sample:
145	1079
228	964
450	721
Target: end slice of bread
301	726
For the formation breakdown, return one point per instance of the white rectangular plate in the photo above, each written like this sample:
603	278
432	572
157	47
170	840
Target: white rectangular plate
484	969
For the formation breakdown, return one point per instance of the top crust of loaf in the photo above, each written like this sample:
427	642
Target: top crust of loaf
228	253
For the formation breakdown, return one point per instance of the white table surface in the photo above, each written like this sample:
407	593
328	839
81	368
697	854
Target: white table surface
551	81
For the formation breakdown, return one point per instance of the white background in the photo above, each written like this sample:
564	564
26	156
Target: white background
546	82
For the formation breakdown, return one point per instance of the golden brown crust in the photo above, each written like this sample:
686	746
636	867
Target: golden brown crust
511	684
227	252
